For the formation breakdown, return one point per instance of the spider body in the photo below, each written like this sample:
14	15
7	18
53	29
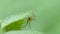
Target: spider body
29	19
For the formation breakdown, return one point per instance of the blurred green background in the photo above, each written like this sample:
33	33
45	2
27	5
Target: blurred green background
47	13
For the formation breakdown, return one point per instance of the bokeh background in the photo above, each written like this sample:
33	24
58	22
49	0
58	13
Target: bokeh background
47	13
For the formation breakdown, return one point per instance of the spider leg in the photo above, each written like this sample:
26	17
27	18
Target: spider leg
30	26
25	24
33	15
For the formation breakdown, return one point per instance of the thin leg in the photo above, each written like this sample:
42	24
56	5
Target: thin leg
29	26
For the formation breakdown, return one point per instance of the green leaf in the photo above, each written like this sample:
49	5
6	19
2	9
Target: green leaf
14	22
14	25
23	32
